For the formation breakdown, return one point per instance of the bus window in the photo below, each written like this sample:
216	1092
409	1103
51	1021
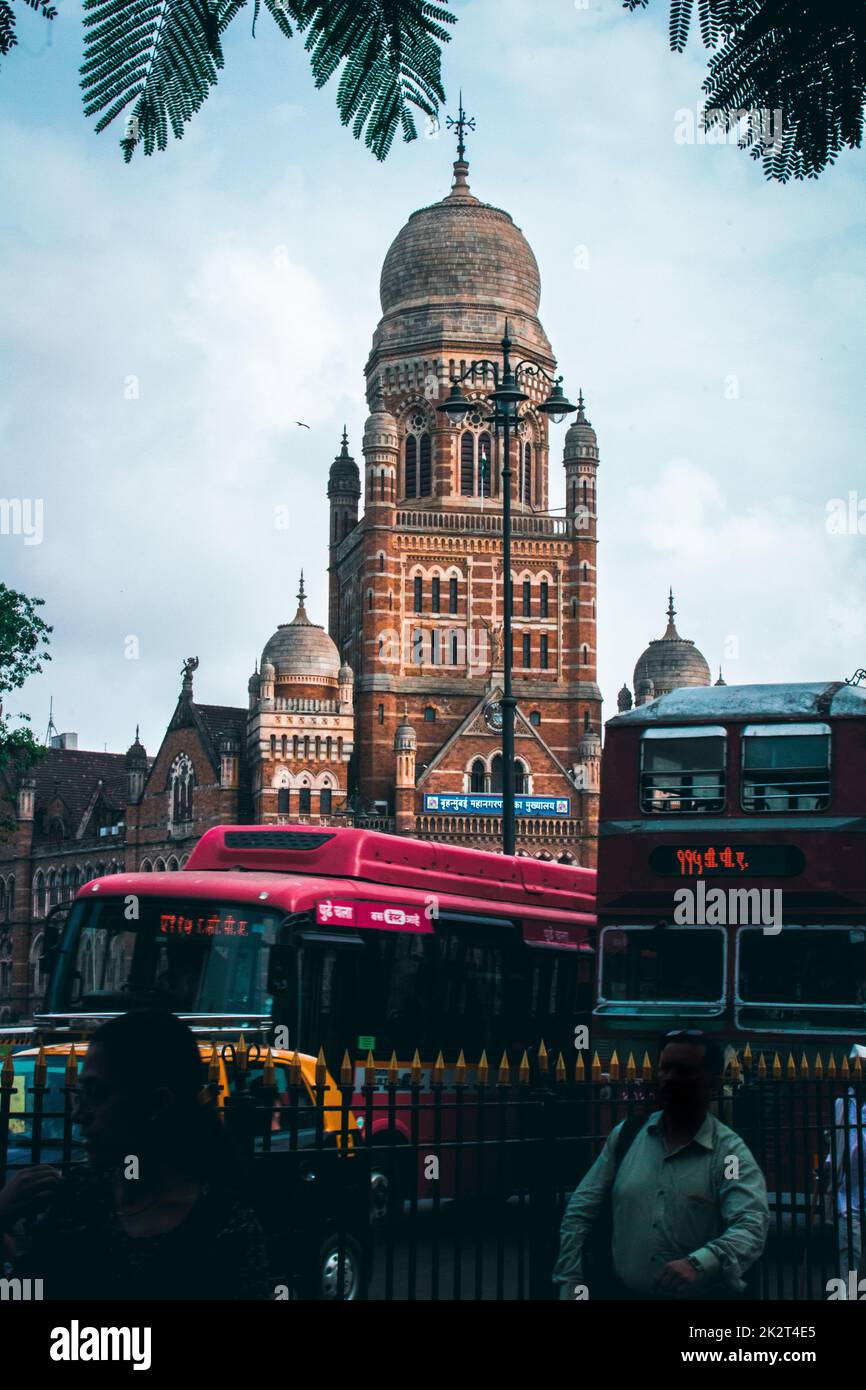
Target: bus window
646	970
804	979
682	771
188	955
785	767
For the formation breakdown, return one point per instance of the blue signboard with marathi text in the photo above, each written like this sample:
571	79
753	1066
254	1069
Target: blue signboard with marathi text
460	804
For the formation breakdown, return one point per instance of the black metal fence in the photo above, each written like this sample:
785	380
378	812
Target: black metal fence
440	1182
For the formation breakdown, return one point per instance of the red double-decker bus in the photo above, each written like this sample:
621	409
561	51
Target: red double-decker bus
732	868
349	940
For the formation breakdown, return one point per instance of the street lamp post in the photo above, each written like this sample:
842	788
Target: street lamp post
505	400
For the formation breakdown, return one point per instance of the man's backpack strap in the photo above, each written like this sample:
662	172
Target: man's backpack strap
631	1128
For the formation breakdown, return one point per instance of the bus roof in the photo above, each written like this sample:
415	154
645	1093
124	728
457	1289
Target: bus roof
819	700
396	861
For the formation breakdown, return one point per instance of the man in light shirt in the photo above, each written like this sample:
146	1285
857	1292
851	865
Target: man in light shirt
689	1202
846	1164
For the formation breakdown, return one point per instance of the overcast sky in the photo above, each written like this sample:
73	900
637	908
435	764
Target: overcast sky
166	323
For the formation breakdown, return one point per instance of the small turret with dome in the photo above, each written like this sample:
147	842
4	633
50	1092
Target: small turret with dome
668	663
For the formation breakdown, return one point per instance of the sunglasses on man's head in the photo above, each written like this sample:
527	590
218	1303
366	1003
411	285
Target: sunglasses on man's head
684	1033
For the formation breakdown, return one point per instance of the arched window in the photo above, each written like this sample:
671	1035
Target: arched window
496	774
285	745
520	780
182	784
283	801
585	492
430	715
382	486
418	592
535	718
544	651
586	656
527	649
304	801
436	590
306	748
527	598
544	602
329	743
325	801
172	866
467	464
455	649
411	488
318	748
452	595
585	572
37	965
485	454
381	563
295	747
434	647
477	776
527	474
273	745
53	888
425	467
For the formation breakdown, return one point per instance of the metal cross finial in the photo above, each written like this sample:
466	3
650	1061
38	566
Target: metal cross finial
672	612
301	594
461	125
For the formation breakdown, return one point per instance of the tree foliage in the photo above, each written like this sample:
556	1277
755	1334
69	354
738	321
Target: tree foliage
154	62
8	36
23	648
805	59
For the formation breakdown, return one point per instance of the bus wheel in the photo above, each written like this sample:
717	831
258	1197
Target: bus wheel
330	1255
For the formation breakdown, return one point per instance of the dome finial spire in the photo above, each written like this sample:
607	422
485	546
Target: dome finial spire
460	187
301	614
344	452
672	613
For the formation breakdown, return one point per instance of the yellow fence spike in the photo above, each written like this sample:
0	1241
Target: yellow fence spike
596	1067
791	1067
415	1069
804	1068
347	1071
213	1066
543	1059
393	1070
321	1068
747	1057
762	1066
819	1066
459	1070
646	1068
370	1070
295	1069
40	1070
777	1067
560	1068
242	1053
439	1069
483	1068
504	1078
735	1068
72	1068
845	1069
523	1073
614	1065
857	1069
269	1074
831	1065
580	1068
630	1068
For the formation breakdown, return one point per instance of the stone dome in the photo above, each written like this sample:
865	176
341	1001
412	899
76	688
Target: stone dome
456	255
302	648
580	435
671	661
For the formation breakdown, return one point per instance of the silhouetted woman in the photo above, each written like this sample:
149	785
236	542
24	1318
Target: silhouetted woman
155	1214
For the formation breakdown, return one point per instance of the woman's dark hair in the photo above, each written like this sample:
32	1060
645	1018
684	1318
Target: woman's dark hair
150	1050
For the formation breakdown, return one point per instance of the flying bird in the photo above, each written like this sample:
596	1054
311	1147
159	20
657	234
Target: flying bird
302	425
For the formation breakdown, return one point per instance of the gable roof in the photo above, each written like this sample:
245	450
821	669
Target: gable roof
521	724
73	775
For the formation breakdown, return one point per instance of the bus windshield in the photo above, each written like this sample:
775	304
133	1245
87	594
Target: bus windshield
188	955
645	969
